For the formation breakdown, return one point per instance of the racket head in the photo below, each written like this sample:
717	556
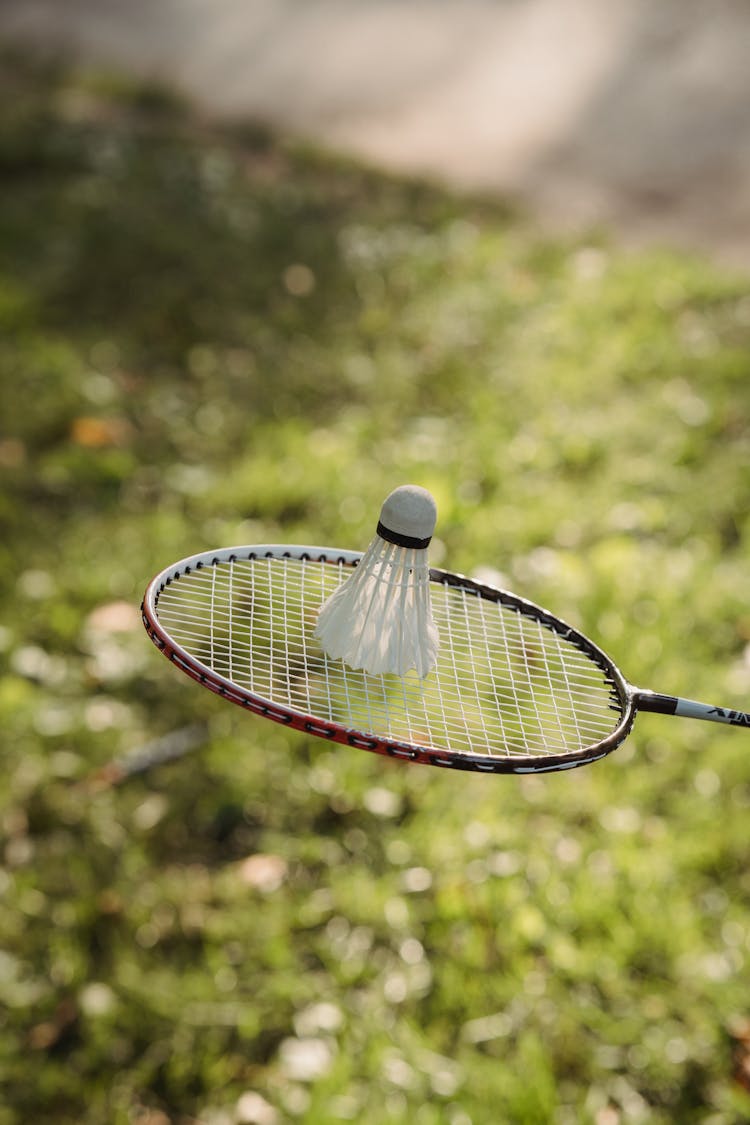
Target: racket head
515	690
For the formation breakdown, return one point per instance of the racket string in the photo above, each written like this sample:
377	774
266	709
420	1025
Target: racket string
506	683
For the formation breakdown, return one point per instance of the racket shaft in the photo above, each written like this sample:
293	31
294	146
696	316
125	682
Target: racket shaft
690	709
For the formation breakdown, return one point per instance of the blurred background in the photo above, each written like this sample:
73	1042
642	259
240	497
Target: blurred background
619	112
259	264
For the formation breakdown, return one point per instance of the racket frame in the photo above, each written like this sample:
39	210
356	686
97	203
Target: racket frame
624	695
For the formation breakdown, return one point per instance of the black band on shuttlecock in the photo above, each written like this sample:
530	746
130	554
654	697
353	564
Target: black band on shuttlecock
402	540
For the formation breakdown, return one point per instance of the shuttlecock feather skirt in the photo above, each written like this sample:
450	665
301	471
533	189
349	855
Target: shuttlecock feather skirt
380	620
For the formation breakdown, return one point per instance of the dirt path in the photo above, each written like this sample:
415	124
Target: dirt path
629	113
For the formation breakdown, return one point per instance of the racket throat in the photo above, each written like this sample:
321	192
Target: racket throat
654	701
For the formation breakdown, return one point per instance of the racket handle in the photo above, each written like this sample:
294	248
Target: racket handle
689	709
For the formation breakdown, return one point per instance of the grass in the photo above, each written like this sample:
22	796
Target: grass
210	336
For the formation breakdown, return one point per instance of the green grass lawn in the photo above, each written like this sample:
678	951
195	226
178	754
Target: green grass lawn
210	337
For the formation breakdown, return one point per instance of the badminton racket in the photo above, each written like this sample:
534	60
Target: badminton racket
515	689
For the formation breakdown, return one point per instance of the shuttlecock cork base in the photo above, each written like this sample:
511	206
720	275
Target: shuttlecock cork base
380	619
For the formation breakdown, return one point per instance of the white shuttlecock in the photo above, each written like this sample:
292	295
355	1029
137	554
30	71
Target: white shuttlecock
380	619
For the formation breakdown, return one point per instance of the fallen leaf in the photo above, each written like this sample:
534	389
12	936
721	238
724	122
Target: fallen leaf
97	433
114	617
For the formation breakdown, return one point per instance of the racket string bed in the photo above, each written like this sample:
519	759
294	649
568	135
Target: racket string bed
506	683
